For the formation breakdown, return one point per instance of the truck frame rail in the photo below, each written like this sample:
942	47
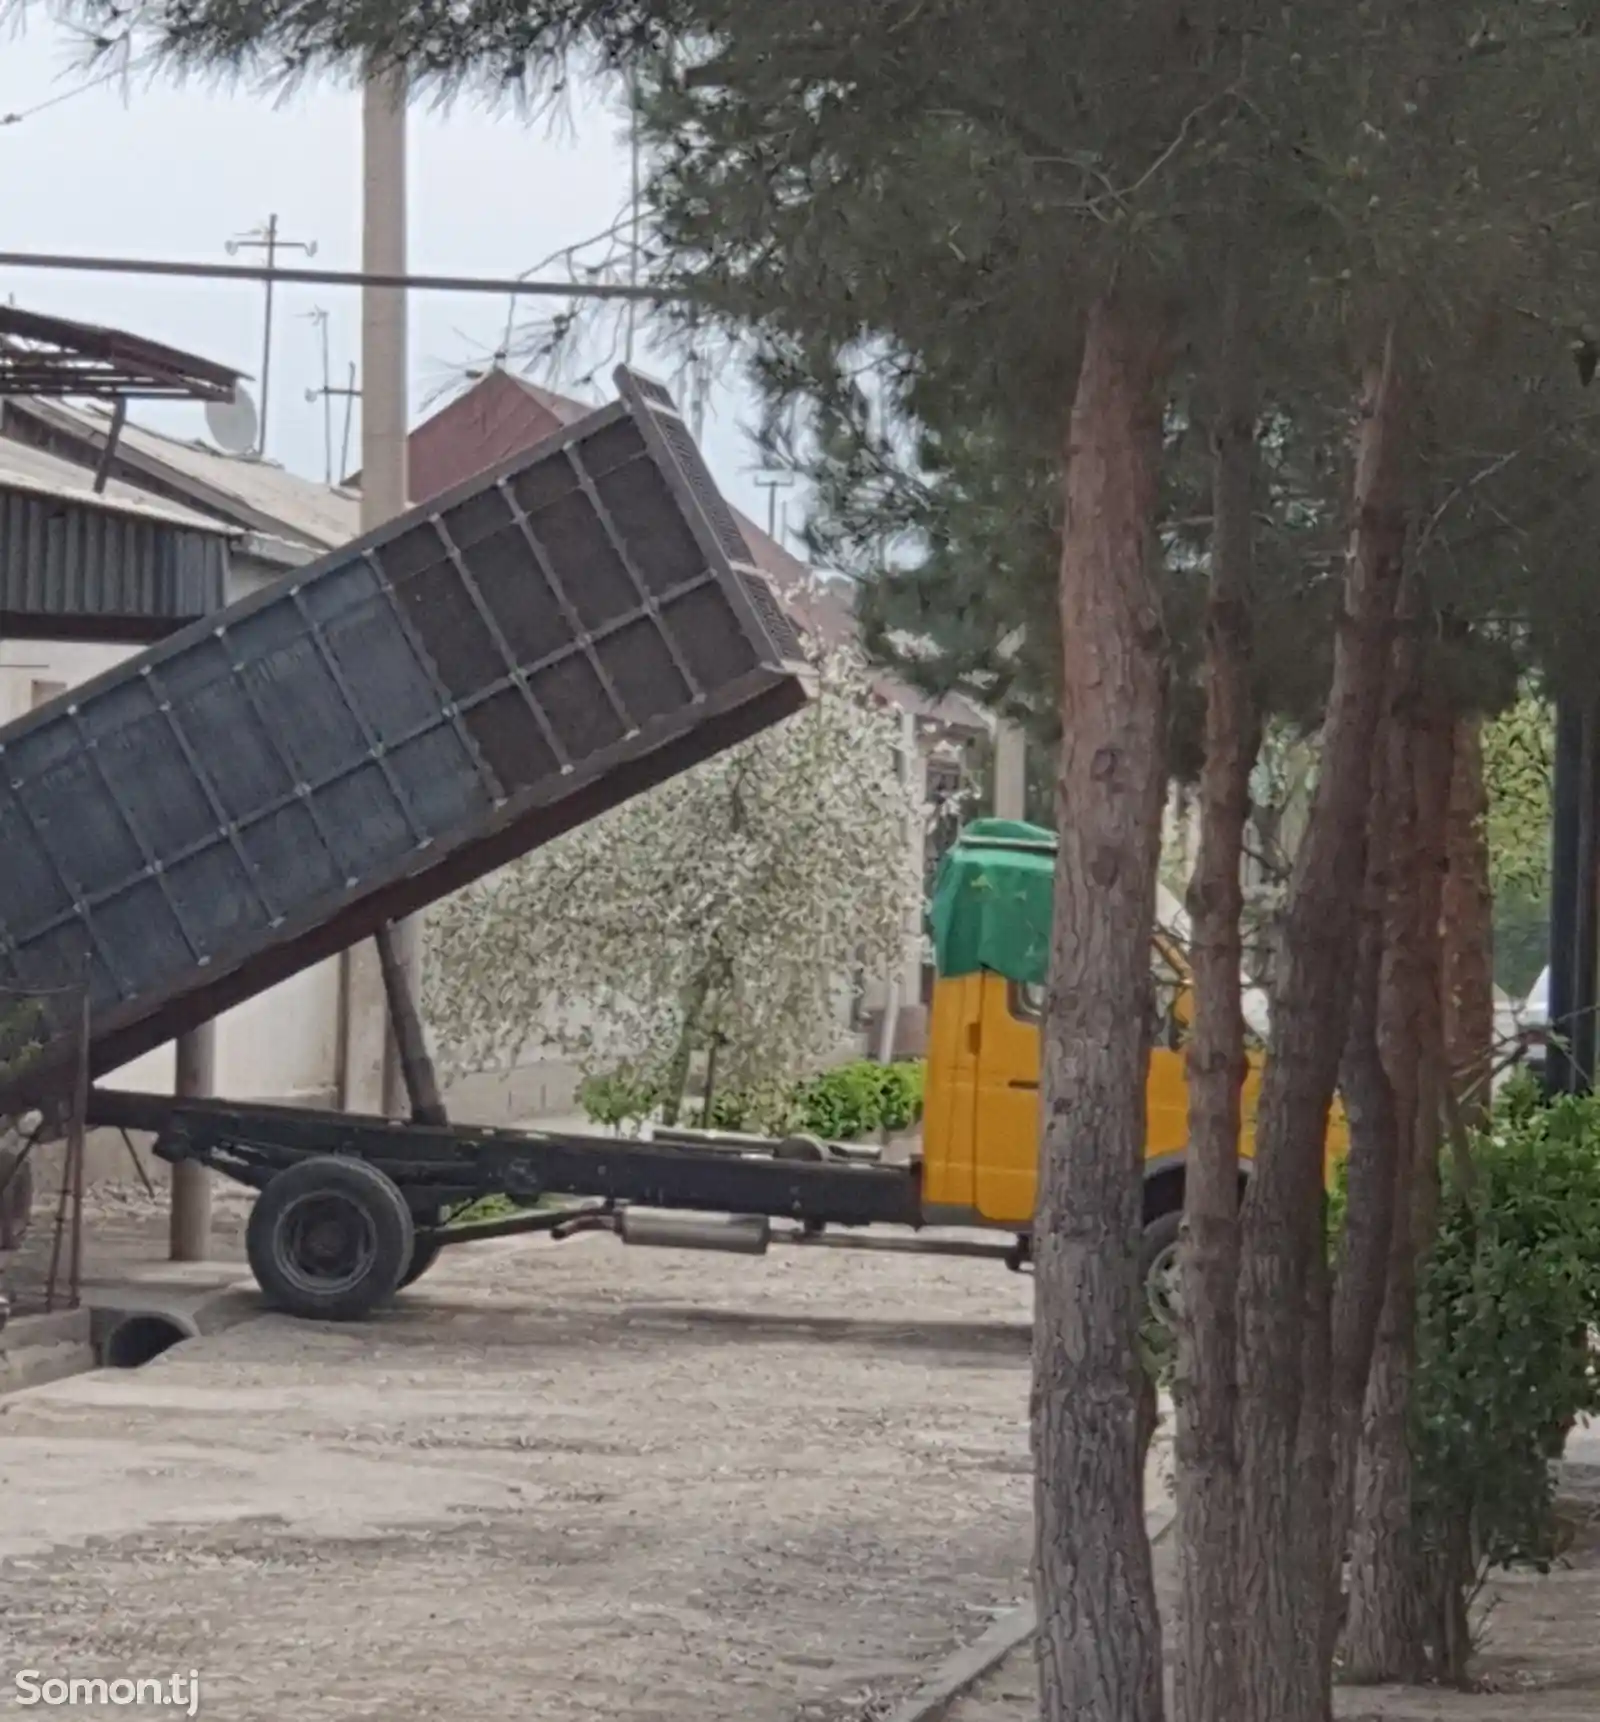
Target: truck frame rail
409	1178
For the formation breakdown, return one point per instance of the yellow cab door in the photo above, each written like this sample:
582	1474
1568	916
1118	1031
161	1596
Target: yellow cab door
1167	1087
1005	1180
1008	1101
950	1104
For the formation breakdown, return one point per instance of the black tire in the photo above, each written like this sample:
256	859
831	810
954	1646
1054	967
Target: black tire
329	1239
1155	1252
424	1253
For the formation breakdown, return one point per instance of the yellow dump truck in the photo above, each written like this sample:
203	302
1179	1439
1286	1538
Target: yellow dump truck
990	920
382	1194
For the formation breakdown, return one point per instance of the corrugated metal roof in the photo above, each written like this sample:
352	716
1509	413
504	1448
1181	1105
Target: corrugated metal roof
244	491
119	566
42	474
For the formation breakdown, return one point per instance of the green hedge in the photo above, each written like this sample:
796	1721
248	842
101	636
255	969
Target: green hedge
857	1099
1507	1299
840	1105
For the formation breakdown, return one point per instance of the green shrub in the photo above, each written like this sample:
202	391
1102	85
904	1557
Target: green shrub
852	1101
730	1110
1506	1301
840	1105
617	1097
901	1086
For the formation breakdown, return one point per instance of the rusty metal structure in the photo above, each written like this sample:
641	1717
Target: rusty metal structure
56	356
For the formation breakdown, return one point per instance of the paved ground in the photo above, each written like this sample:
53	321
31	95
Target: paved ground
1540	1658
558	1481
567	1481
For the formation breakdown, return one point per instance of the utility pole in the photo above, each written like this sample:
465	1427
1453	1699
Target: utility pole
351	395
327	394
382	1031
1010	752
266	239
1010	772
634	213
319	317
778	481
700	389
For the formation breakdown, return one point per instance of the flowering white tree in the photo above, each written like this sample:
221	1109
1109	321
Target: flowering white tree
731	907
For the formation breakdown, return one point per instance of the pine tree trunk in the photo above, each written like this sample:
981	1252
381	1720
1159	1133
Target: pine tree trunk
1371	1169
1384	1631
1310	1017
1468	923
1205	1385
1310	1513
1435	763
1099	1641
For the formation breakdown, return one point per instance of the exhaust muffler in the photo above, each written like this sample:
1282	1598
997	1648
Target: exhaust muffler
661	1229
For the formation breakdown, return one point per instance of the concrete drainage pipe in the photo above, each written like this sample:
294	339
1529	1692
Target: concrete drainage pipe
139	1339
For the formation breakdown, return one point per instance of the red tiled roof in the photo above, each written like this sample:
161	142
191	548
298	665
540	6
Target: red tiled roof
502	416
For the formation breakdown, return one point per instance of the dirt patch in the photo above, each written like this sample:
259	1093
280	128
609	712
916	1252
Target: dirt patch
563	1481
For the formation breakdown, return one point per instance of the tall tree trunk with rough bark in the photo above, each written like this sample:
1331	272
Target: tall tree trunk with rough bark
1435	765
1281	1219
1099	1643
1384	1630
1205	1384
1468	928
1371	1168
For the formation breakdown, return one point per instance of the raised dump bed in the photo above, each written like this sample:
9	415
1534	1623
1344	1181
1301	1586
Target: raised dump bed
275	783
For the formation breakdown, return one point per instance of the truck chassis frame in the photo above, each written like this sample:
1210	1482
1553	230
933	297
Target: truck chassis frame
351	1208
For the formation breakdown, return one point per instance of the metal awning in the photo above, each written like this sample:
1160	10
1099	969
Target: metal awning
56	356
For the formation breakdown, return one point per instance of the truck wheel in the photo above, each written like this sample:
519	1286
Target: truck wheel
329	1239
424	1253
1158	1266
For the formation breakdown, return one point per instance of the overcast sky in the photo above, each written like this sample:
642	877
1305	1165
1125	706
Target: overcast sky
156	169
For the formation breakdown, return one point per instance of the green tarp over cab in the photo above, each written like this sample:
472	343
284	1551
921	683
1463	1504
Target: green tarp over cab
991	902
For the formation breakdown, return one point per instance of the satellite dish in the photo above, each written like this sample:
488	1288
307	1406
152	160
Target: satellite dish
233	423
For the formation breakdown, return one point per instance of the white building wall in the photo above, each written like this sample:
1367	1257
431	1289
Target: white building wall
281	1045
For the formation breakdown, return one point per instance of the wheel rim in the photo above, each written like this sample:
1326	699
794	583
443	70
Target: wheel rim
328	1243
1162	1287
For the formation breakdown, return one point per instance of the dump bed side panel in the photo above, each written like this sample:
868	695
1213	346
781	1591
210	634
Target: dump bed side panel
272	785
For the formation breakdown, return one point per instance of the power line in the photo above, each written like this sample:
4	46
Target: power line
338	277
65	96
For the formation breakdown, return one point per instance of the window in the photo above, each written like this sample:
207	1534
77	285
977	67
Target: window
1168	1029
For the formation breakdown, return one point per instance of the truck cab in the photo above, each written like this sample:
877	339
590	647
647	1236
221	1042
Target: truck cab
990	918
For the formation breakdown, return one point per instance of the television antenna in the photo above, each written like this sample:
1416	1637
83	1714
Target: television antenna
266	238
319	317
772	485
